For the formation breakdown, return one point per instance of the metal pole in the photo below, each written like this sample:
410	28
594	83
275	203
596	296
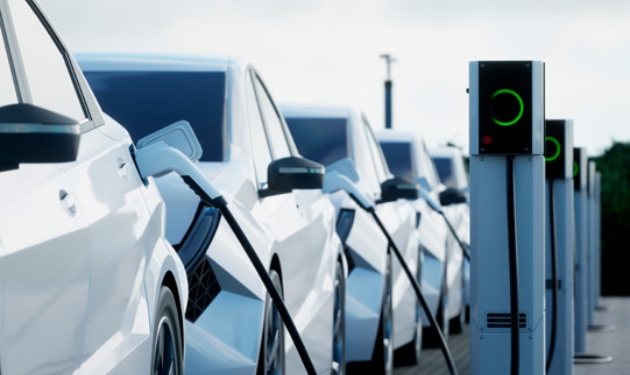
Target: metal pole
388	91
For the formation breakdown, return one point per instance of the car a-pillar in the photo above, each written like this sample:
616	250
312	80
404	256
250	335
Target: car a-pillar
507	175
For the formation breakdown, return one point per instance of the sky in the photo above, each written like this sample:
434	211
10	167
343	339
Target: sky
327	52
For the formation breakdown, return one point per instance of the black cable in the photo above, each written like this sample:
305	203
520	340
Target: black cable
554	277
459	241
513	259
275	296
414	283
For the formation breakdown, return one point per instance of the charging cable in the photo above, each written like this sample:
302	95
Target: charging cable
434	206
513	259
414	283
554	277
159	159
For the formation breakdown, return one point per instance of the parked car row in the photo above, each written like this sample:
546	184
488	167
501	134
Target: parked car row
108	270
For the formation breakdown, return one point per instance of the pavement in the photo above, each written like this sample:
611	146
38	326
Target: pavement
615	344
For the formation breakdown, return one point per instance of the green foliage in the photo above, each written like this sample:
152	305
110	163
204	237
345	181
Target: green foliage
614	165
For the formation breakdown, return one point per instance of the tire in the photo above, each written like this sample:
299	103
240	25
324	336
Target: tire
382	362
339	324
167	356
271	357
409	354
431	339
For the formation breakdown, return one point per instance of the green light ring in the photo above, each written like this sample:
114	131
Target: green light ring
576	168
520	102
558	149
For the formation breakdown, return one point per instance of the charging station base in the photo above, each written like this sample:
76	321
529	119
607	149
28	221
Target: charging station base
591	359
601	328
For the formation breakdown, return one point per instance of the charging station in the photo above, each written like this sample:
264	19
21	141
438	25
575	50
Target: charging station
559	246
598	243
507	181
581	246
590	188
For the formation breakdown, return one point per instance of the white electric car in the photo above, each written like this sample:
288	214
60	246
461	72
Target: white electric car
449	163
231	326
442	271
382	313
88	282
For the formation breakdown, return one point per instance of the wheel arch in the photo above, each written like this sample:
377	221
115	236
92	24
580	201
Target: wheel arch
170	282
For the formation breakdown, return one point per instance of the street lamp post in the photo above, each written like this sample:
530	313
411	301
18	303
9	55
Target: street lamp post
388	91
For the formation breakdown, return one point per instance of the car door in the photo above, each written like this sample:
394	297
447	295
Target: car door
299	225
109	187
288	223
44	233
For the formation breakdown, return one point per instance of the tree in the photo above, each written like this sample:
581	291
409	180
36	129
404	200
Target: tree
614	165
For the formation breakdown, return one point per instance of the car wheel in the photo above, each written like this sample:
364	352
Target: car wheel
431	339
271	358
409	354
339	325
168	350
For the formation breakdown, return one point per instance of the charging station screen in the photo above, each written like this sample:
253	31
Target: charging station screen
577	169
505	107
554	154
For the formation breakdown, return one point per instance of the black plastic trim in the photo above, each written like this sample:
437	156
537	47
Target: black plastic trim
195	243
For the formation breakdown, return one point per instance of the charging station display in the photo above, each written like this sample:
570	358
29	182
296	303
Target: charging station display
556	145
505	107
579	168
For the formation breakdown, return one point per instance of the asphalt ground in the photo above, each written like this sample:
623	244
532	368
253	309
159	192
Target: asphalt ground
615	344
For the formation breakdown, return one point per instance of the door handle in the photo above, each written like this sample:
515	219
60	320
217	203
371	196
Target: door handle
68	202
123	169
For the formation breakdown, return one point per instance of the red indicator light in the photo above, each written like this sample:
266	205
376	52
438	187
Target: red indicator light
487	140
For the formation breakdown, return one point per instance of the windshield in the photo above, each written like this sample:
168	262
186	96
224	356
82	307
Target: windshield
399	160
444	168
323	140
144	102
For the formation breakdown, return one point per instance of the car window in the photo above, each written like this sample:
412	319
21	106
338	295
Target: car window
324	140
375	151
399	159
444	168
273	124
50	81
8	94
260	145
162	98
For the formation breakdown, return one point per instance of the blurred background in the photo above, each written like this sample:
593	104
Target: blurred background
327	51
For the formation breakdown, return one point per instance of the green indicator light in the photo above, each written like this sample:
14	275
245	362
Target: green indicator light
520	102
576	169
558	148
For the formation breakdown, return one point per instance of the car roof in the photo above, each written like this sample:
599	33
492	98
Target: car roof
445	151
394	135
316	111
107	61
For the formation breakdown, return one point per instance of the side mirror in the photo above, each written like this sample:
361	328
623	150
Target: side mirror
398	188
452	196
286	174
179	135
30	134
